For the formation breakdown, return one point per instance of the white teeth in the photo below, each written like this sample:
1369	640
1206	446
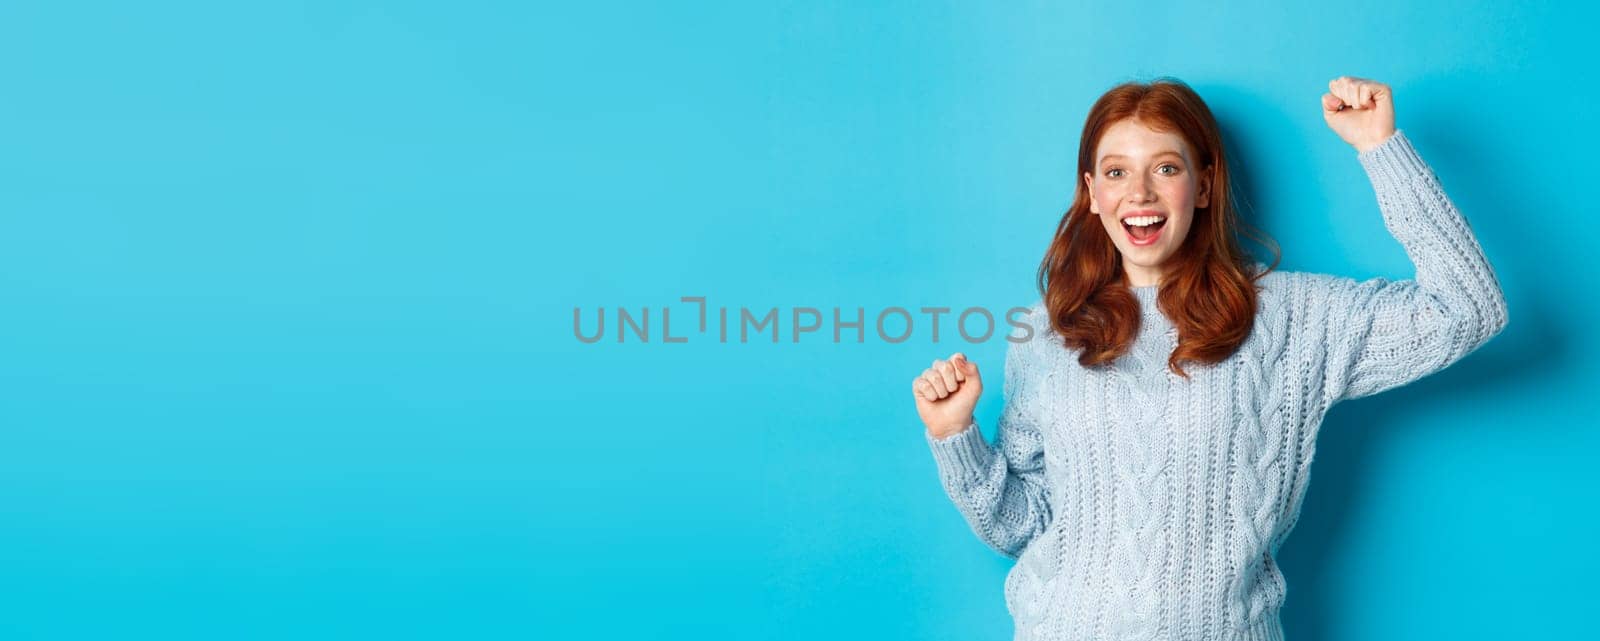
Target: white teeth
1143	221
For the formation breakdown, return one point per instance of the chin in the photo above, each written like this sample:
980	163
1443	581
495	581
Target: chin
1148	260
1146	256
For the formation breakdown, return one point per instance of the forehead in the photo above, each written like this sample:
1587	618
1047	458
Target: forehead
1132	139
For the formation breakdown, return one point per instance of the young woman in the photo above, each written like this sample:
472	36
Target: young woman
1159	426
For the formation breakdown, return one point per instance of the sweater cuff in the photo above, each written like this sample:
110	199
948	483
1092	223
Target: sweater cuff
962	455
1394	161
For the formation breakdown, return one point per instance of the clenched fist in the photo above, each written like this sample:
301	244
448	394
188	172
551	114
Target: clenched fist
946	394
1361	111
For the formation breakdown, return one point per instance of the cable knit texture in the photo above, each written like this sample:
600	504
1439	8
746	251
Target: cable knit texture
1139	505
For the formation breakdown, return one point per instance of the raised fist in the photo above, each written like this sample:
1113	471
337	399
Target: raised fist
1361	111
946	394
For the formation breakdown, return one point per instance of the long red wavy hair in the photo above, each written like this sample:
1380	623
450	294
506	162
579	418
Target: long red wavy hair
1208	286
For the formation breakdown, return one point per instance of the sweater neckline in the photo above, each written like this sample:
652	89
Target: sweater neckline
1147	296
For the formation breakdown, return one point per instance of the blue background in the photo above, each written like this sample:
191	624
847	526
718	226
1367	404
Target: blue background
288	352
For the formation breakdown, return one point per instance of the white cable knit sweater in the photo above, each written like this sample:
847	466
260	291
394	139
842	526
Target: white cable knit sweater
1139	505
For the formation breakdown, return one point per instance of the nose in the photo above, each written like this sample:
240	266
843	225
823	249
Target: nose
1142	190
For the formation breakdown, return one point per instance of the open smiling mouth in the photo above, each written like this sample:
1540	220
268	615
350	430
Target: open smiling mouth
1146	234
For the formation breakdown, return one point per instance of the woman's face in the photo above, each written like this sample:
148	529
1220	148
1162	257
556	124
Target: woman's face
1140	172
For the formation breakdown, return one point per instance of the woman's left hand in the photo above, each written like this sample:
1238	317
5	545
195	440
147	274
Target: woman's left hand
1361	111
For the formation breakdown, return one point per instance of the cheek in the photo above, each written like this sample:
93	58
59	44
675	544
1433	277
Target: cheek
1184	225
1107	198
1182	193
1108	221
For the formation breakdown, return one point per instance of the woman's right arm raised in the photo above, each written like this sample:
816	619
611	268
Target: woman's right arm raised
1002	491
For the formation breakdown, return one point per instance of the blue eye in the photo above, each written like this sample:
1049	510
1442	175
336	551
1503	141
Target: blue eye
1117	171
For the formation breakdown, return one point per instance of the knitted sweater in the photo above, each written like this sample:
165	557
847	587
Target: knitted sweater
1139	505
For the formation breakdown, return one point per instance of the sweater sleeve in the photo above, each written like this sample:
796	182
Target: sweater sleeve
1002	490
1381	334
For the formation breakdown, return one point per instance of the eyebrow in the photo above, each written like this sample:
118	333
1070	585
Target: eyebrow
1168	152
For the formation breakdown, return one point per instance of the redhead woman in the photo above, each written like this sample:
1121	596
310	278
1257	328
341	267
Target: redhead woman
1158	427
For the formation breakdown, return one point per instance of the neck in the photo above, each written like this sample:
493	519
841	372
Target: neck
1139	276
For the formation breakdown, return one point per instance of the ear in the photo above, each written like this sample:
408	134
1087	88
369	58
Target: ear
1203	198
1088	184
